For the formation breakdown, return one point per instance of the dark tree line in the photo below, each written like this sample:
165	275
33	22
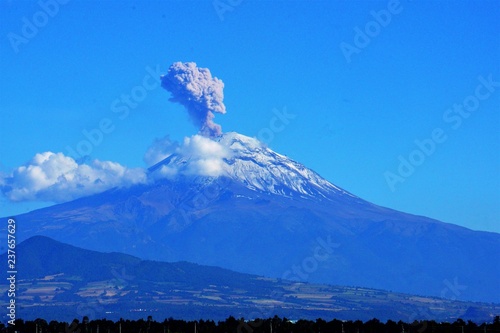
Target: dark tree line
233	325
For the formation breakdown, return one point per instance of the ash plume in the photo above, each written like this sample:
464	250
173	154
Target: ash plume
200	93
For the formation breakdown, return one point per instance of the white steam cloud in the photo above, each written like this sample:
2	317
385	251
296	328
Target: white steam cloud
198	92
197	155
206	157
55	177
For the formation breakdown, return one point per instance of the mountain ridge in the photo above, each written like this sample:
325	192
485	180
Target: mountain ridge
60	281
268	230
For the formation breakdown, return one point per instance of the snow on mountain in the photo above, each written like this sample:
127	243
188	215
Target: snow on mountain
232	202
259	168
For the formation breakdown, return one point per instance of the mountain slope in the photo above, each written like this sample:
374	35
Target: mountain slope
259	168
272	216
59	281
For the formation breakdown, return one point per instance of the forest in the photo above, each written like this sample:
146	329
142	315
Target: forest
233	325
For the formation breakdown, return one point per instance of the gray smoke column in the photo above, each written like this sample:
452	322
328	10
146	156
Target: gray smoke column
198	92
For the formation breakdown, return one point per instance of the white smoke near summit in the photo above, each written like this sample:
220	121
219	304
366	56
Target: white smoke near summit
200	93
196	155
206	156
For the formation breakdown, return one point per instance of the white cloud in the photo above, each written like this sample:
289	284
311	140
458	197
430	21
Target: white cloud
165	172
205	156
55	177
199	146
197	155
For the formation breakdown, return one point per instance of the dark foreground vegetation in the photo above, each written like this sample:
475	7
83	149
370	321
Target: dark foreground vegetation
233	325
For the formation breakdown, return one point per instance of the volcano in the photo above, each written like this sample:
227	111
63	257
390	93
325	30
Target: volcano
266	214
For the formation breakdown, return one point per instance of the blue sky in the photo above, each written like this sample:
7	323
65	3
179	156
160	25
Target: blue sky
357	114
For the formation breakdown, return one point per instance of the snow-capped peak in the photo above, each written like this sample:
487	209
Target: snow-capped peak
260	168
248	161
